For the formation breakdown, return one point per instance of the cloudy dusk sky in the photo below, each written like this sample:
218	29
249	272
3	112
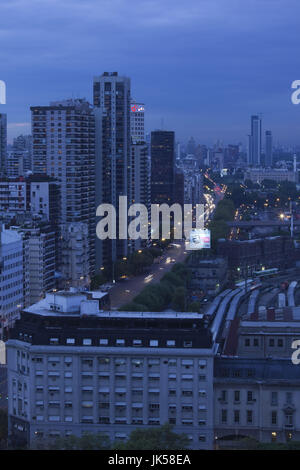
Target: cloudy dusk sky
203	66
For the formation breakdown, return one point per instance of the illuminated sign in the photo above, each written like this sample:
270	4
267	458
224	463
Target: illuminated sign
137	108
199	239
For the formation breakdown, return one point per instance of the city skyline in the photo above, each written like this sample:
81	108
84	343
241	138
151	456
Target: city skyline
59	51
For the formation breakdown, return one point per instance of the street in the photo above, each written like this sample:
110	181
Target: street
124	291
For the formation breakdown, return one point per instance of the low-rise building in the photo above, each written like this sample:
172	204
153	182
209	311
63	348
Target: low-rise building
257	175
208	274
256	398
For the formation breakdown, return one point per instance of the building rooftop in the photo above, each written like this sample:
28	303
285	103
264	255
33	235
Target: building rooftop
78	315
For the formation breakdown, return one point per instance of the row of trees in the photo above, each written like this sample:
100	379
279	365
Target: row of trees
161	438
170	291
218	226
251	193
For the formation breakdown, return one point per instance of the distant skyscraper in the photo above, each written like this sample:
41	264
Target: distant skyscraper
254	155
112	97
269	149
137	122
64	148
191	146
162	167
18	159
3	143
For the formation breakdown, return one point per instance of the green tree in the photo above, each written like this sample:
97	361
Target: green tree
178	302
162	438
88	441
97	281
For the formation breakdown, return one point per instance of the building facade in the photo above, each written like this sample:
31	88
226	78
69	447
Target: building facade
162	167
108	372
64	149
255	142
112	107
3	144
256	398
137	122
11	276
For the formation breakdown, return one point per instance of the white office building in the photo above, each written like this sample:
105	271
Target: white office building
108	372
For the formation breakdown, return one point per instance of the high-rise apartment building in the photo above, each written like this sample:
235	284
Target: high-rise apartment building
43	194
19	159
112	103
11	276
269	149
40	249
255	143
64	148
162	167
3	143
140	188
137	121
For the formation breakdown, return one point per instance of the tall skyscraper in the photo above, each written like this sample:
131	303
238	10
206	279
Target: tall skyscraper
254	151
3	143
137	122
162	167
140	190
269	149
112	98
64	148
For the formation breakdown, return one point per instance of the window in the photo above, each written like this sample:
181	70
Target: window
274	417
187	344
255	342
153	342
289	419
171	342
249	416
223	395
271	342
249	395
237	395
120	342
103	360
70	341
247	342
224	416
274	398
103	342
54	341
187	362
236	416
87	342
280	343
137	342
